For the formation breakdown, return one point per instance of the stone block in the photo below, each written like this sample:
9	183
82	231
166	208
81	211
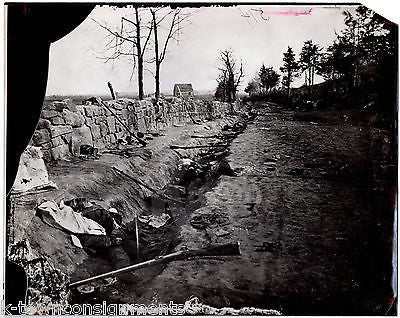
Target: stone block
89	111
120	135
60	152
113	139
80	136
111	124
41	136
107	112
43	124
60	130
95	131
67	138
80	109
73	119
100	119
57	141
125	114
47	114
89	121
47	145
103	129
58	120
96	110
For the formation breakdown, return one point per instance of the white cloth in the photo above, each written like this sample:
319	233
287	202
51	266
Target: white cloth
66	218
32	172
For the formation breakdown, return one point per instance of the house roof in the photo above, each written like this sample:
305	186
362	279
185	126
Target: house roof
184	87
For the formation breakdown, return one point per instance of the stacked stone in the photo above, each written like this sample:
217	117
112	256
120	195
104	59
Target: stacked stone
102	123
57	128
64	127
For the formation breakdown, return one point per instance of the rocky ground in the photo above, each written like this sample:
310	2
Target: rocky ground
310	202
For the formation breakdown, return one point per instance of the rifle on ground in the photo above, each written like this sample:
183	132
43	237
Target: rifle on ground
231	249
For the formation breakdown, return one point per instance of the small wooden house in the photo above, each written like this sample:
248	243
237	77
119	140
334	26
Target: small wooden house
183	90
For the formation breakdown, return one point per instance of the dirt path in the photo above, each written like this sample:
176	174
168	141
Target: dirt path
311	206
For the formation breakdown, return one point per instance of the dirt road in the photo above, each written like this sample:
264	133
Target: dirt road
311	205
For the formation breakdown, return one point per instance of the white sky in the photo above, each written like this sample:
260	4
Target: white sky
75	67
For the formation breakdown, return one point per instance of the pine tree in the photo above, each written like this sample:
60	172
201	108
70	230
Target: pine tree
289	69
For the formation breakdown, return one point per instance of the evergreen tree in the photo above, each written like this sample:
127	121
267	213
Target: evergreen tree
268	78
289	69
310	57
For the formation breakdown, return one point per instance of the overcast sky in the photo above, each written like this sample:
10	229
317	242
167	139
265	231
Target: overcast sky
76	67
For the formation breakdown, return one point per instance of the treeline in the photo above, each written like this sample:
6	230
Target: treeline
359	68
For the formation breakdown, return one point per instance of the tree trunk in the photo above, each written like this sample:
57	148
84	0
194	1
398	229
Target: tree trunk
140	55
157	56
157	77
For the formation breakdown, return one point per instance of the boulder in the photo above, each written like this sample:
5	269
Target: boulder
41	136
80	136
60	130
73	119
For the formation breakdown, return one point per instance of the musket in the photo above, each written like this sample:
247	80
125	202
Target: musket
231	249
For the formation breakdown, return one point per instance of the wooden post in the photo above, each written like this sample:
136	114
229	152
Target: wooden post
111	90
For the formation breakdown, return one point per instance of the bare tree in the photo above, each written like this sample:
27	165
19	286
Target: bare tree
129	41
178	20
229	78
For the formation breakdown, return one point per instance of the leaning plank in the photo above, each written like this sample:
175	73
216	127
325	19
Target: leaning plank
231	249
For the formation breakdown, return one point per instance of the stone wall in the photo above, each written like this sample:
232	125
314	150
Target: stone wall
65	126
